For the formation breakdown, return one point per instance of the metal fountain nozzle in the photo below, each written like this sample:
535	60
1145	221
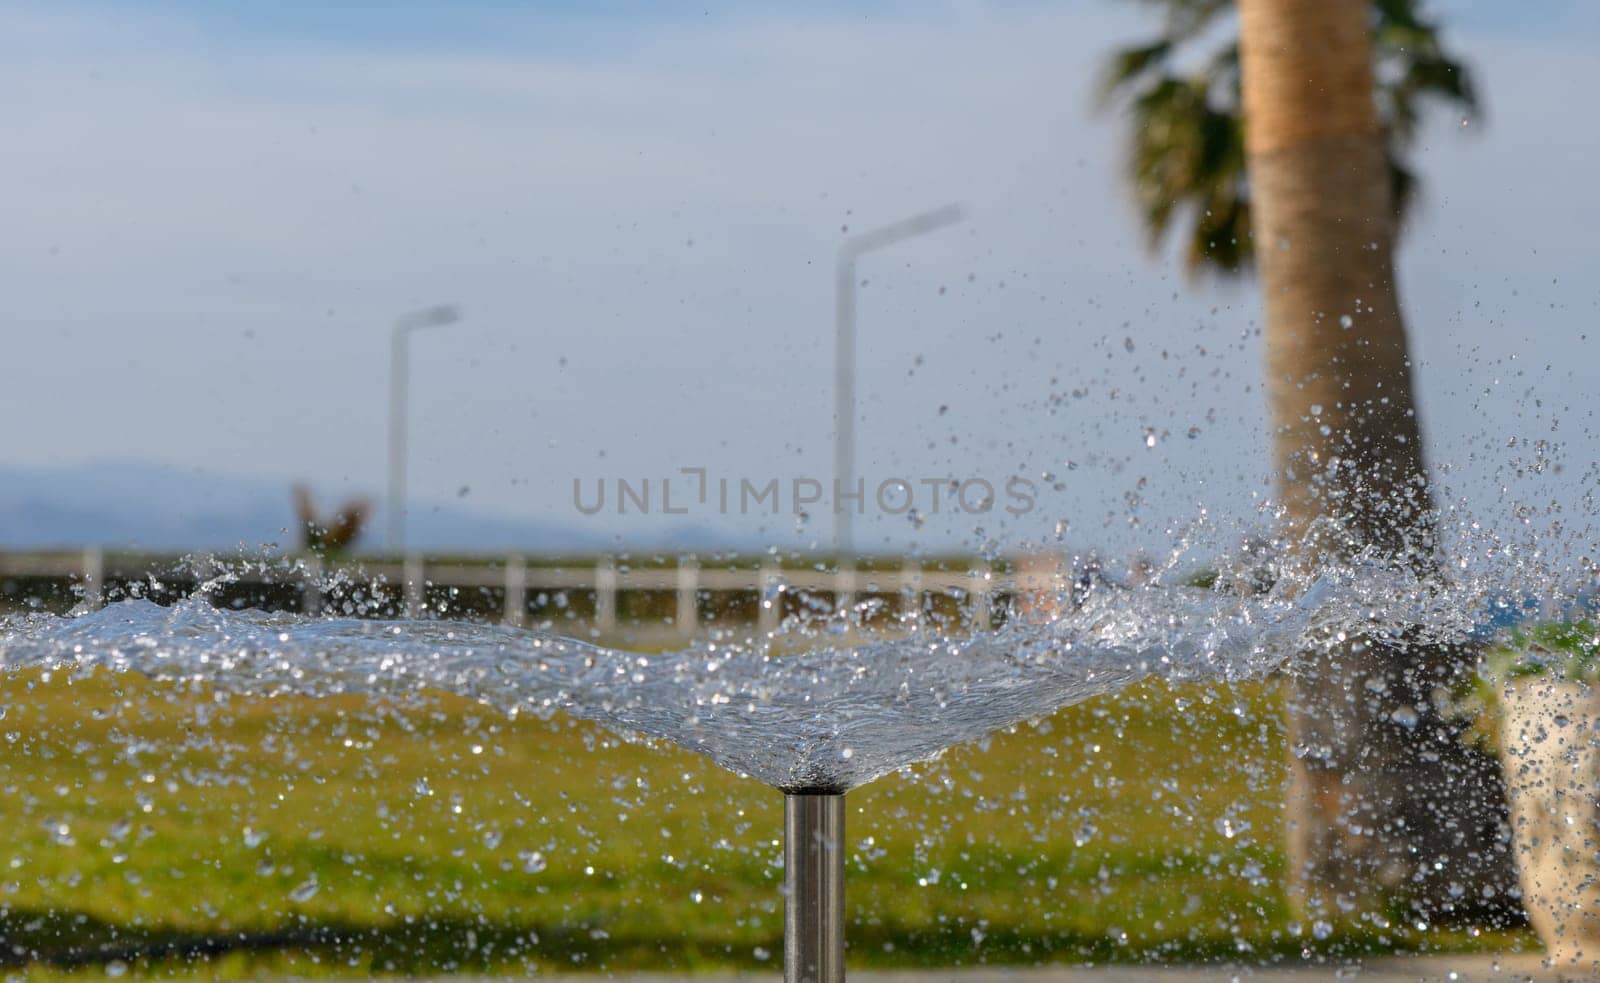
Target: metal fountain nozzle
813	879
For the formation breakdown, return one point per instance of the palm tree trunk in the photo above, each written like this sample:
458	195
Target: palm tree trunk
1386	803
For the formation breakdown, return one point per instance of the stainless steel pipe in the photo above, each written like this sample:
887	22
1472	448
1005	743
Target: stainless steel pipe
813	887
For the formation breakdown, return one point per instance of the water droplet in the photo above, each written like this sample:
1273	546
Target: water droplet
1230	826
1346	321
1085	833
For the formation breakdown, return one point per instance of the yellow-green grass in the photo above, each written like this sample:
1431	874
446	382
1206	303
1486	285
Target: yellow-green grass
186	831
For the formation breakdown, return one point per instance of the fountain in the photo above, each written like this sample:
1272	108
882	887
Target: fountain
813	725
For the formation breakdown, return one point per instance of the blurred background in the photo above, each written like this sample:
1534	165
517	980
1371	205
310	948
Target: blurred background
216	214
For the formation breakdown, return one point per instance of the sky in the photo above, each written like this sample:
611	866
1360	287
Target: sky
215	212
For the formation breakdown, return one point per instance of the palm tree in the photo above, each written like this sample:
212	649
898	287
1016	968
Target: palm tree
1186	148
1293	138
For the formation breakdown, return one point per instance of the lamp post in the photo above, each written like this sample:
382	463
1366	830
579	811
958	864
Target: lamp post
399	371
844	387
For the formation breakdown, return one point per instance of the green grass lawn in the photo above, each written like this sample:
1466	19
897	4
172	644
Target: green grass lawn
155	829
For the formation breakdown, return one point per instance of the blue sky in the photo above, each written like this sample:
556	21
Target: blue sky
218	209
598	27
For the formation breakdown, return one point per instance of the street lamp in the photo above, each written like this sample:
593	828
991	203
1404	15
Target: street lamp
844	387
399	370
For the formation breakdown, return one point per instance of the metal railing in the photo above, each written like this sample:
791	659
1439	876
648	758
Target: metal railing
308	583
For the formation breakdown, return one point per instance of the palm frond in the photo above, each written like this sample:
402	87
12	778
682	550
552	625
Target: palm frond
1221	242
1128	65
1403	186
1187	167
1186	19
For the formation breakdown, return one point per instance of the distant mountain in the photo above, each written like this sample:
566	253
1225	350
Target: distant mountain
160	507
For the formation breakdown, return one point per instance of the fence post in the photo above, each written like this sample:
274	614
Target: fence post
516	590
412	572
769	598
911	592
605	595
94	577
311	585
982	606
844	588
688	613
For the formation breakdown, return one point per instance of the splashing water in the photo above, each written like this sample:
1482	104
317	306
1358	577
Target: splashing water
828	719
